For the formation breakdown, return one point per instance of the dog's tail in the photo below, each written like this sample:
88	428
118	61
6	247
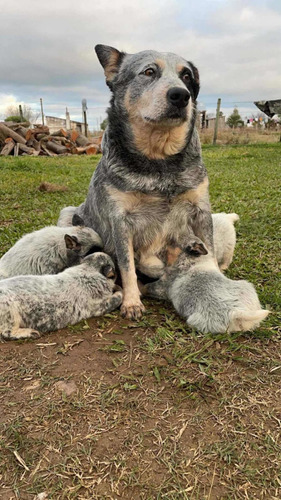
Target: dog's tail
233	217
243	320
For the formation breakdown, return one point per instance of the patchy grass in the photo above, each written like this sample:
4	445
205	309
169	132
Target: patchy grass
151	410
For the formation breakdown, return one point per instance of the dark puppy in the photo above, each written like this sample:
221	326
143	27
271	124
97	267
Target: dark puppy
150	188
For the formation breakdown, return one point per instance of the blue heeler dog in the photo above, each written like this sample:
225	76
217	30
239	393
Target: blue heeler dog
150	189
30	305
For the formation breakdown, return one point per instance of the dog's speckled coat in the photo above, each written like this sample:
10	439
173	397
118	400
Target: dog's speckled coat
150	188
33	304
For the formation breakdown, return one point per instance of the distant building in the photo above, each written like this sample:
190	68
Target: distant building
55	124
210	122
207	121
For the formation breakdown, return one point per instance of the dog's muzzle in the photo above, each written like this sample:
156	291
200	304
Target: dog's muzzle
178	97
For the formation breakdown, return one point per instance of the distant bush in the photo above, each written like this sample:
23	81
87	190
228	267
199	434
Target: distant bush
16	119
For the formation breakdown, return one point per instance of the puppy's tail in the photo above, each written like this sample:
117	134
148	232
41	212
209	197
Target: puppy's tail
233	217
242	320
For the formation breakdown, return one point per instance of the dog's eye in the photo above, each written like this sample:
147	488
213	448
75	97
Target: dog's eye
149	72
186	77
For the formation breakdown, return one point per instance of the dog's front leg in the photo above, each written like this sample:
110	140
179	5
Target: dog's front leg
132	307
202	225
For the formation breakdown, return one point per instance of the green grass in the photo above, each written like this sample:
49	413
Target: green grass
161	411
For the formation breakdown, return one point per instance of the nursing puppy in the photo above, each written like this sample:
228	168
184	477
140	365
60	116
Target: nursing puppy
150	188
224	238
33	304
208	300
49	250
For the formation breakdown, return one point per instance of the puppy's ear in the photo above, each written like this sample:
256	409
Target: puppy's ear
196	80
72	243
110	60
108	271
77	220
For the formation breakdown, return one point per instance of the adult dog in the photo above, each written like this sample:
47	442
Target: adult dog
150	189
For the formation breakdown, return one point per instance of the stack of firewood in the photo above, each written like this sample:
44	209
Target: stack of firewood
19	139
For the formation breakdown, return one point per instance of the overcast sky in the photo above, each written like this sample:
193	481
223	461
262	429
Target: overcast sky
47	49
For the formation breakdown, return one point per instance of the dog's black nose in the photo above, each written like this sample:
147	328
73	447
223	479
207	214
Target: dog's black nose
178	97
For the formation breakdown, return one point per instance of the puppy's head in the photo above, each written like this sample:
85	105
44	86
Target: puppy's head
101	263
83	240
156	88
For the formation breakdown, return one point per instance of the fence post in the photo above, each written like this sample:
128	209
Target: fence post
84	114
21	113
42	114
217	121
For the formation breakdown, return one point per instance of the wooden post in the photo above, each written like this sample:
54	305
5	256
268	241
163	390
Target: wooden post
217	121
21	113
84	114
42	114
67	117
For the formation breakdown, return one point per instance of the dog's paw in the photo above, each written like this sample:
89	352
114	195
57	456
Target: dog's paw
196	248
132	311
21	334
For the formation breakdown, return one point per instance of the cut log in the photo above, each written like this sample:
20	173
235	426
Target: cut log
33	143
16	149
25	149
82	140
60	133
92	150
8	148
59	139
8	132
42	137
22	131
46	151
73	136
15	125
55	147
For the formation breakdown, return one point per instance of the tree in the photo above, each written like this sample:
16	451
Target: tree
13	110
103	124
235	120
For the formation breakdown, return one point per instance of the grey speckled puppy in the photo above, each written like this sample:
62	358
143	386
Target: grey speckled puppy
208	300
49	250
33	304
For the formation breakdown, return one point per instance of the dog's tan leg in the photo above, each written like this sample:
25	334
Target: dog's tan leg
132	307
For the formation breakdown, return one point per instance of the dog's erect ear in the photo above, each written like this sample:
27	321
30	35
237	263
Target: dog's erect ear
110	60
108	271
77	220
196	80
72	243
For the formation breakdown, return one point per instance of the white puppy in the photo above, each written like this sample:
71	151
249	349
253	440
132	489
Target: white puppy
224	238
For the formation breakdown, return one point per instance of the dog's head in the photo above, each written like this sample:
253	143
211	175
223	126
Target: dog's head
158	88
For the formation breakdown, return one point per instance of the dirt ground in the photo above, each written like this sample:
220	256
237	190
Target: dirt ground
111	409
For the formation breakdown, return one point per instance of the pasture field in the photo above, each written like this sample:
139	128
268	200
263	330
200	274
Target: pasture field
112	409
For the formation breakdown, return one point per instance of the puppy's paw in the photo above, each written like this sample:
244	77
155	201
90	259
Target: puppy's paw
21	334
132	311
196	248
118	297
